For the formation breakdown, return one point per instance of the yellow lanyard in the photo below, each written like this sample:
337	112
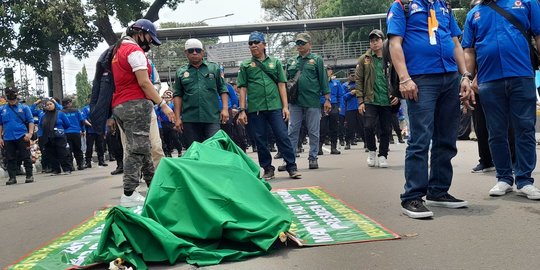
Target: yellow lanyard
433	24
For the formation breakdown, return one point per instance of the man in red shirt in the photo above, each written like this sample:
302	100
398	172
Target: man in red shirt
132	105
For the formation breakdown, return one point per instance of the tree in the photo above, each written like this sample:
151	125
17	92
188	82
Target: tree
126	11
46	29
84	88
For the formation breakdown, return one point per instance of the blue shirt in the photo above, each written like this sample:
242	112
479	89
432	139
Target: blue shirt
501	50
350	100
86	115
336	92
62	122
13	127
162	117
75	121
421	57
233	98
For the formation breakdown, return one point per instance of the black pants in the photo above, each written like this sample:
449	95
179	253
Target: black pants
329	125
58	153
199	132
395	126
97	139
170	139
115	147
354	126
18	150
74	141
380	115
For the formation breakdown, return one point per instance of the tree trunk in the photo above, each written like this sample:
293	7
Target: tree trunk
153	12
104	24
58	91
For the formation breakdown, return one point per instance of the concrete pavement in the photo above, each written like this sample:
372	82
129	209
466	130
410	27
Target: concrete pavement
491	233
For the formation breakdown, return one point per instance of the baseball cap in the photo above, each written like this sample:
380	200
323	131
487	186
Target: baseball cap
305	37
149	27
256	36
193	43
377	33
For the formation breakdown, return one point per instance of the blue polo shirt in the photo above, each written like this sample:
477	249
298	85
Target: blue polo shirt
75	121
336	92
501	50
14	128
350	101
421	57
62	122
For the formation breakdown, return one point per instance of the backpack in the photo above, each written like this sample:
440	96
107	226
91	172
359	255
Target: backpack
102	91
389	70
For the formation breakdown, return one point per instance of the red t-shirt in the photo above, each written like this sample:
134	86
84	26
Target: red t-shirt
128	59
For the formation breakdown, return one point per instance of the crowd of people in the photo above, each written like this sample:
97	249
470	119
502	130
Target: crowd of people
441	71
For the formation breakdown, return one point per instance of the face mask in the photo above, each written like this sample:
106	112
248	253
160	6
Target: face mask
11	96
144	44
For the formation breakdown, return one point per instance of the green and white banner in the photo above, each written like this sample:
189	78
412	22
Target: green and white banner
320	219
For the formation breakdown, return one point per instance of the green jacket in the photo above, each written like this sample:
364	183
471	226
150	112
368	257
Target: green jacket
313	82
199	89
365	78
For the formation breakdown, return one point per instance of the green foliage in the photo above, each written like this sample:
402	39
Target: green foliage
84	88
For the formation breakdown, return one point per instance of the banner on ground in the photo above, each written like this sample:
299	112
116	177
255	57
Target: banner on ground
321	219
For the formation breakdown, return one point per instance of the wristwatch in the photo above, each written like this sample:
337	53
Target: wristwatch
241	110
468	75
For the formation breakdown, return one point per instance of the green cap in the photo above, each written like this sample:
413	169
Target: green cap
305	37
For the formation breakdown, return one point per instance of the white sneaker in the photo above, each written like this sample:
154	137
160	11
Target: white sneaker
371	159
500	189
530	191
129	201
383	163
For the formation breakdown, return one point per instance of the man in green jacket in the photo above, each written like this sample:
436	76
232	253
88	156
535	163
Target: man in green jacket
374	99
261	81
196	89
312	84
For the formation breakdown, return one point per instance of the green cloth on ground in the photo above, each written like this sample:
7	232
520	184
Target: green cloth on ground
208	206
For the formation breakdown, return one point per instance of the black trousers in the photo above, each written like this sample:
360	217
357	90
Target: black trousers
18	150
97	139
115	147
329	125
199	132
58	154
395	126
354	126
171	139
380	115
74	141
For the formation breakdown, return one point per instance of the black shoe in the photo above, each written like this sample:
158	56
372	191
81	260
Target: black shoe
282	168
334	151
111	159
297	155
88	165
320	153
294	174
354	143
11	181
447	201
342	143
348	146
117	171
278	155
313	164
299	150
80	167
29	179
401	141
268	173
415	209
103	164
392	141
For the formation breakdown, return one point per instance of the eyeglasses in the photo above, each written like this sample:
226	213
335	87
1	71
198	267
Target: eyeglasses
198	50
256	42
300	43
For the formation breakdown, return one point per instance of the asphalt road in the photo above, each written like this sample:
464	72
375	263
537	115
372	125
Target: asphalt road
492	233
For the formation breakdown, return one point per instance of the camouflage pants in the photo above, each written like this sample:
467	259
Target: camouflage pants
133	118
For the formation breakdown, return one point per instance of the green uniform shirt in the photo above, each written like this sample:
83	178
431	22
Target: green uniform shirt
313	82
380	88
262	91
199	89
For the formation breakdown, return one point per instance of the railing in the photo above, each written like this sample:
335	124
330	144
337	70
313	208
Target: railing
231	54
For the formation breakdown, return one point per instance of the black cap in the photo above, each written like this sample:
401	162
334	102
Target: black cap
65	101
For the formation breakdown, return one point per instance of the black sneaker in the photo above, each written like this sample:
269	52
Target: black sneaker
103	164
480	168
313	164
278	155
29	179
268	173
320	153
282	168
294	174
348	146
334	151
447	201
415	209
11	181
117	171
